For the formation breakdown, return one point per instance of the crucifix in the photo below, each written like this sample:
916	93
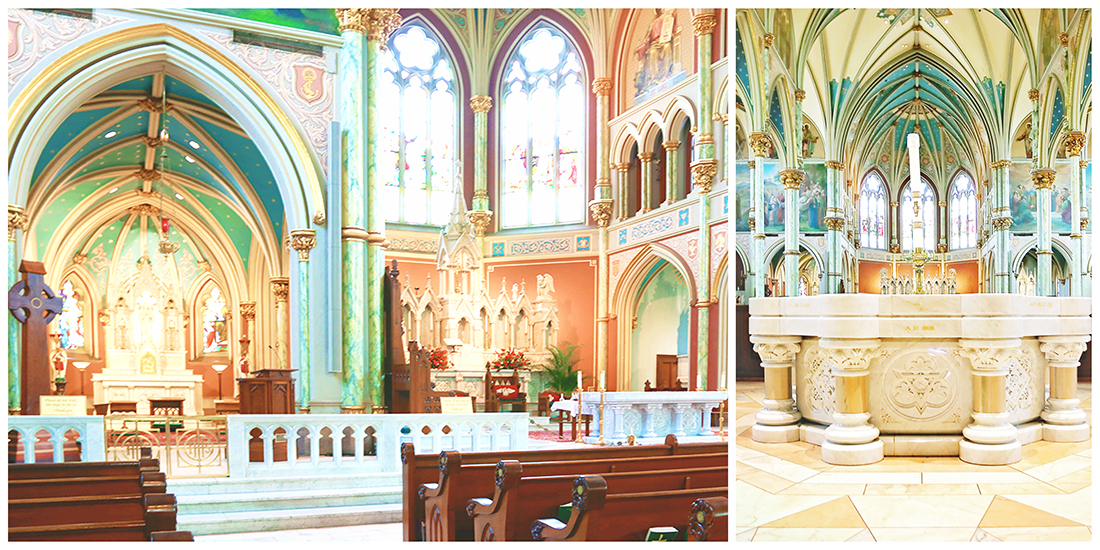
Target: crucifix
34	304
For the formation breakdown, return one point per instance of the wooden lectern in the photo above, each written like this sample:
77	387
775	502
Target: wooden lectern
271	391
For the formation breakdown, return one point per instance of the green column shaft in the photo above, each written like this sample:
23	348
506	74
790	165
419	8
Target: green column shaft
1075	263
671	175
603	146
647	182
1043	254
790	229
1002	262
304	358
376	227
705	148
15	334
353	234
757	192
832	236
481	152
703	357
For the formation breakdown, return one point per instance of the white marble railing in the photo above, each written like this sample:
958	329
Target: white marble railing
429	433
89	431
653	414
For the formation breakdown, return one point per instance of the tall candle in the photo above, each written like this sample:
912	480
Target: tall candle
699	381
579	383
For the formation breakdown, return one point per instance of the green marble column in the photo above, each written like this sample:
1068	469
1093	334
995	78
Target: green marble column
352	233
303	240
1043	180
672	170
647	181
703	171
600	207
792	180
759	144
1075	142
480	217
834	223
16	220
1002	222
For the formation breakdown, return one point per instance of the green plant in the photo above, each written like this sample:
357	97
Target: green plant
559	368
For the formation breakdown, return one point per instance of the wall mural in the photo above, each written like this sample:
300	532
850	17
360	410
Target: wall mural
812	202
316	20
1022	202
774	199
657	59
743	190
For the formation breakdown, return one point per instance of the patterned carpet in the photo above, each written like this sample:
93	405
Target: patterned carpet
786	493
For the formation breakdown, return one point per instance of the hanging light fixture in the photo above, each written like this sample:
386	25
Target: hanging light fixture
165	246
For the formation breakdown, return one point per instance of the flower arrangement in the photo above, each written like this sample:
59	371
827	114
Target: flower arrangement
510	358
439	359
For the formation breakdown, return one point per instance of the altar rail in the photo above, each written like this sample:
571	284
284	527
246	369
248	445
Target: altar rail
80	432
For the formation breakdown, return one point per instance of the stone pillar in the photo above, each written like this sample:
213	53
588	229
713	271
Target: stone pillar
244	363
1002	221
17	220
941	247
672	171
851	439
353	233
647	181
480	216
601	209
777	422
303	240
1043	180
834	223
991	438
624	189
792	180
704	24
759	143
1075	141
280	287
1064	421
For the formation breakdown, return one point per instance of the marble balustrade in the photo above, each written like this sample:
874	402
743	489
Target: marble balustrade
89	431
650	416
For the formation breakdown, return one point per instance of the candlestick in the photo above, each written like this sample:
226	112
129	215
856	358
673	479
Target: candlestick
580	384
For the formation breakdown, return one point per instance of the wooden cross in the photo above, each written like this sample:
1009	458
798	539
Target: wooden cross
34	304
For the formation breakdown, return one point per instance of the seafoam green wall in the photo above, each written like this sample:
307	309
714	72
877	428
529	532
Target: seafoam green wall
664	323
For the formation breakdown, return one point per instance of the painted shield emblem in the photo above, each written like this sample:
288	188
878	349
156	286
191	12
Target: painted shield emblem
693	248
13	39
309	84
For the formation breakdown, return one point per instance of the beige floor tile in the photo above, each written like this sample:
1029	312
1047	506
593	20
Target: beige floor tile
914	489
1019	489
976	477
761	479
1075	481
921	510
922	534
781	468
862	536
836	513
1076	506
893	478
756	507
745	453
824	489
803	534
1042	534
746	535
981	535
1005	512
1059	468
1086	452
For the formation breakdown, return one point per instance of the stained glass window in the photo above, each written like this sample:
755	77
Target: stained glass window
215	334
964	212
417	115
927	214
70	324
872	212
543	121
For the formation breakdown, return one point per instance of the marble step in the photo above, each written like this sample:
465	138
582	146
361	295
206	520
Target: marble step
286	500
277	520
224	485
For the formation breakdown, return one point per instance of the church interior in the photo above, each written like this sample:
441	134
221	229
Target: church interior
276	246
913	341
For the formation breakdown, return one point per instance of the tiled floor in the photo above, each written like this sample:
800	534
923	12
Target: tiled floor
786	493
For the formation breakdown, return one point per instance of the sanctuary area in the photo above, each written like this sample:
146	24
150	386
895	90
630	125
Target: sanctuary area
276	269
914	274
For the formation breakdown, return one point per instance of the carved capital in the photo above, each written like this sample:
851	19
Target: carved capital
601	86
704	23
760	144
1003	163
671	145
989	355
702	174
791	178
1033	94
769	39
645	156
17	219
1063	349
480	220
941	248
834	164
1003	223
601	211
751	164
280	287
351	19
147	175
303	240
752	223
481	103
799	94
1043	178
852	355
1084	164
381	22
834	223
1074	141
895	248
776	349
248	311
1063	39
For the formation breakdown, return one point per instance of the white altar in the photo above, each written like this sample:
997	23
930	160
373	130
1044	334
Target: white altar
146	357
651	415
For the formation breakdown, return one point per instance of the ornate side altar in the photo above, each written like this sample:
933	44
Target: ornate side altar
145	352
941	375
651	415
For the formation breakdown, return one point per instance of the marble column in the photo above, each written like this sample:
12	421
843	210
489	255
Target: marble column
672	172
280	287
792	180
353	233
1063	420
624	189
990	439
1075	141
303	240
244	363
941	247
760	143
601	208
1043	180
777	422
851	439
834	223
1002	222
647	181
17	220
480	216
1083	213
379	24
704	24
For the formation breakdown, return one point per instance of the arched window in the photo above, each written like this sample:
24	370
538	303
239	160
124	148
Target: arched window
416	98
215	333
70	324
964	212
872	212
927	214
542	132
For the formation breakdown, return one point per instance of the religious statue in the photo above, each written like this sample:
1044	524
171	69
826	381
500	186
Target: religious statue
951	281
883	283
545	286
59	359
171	335
121	312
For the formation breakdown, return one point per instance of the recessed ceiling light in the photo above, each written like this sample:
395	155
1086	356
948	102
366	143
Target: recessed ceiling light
189	159
110	134
113	190
194	144
179	196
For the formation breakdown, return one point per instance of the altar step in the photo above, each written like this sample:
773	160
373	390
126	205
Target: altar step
211	506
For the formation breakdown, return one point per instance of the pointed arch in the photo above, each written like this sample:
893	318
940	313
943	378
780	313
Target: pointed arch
962	210
874	216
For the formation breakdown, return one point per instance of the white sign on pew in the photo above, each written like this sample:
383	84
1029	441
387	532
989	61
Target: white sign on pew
63	405
455	405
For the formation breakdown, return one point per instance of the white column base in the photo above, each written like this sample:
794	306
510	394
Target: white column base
1064	412
990	455
775	434
1066	434
852	455
776	416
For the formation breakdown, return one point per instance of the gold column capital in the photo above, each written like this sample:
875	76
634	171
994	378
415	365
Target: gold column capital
799	94
645	156
480	220
791	178
1063	39
601	86
303	240
280	287
769	39
760	143
702	174
248	311
1003	163
380	22
1084	164
704	23
1074	141
752	164
1002	223
1033	94
671	145
834	223
834	164
351	19
17	219
1043	178
481	103
601	211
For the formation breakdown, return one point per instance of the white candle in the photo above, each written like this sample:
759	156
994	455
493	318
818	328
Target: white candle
699	381
603	380
579	383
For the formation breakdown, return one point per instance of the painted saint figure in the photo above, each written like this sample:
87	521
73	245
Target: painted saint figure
213	323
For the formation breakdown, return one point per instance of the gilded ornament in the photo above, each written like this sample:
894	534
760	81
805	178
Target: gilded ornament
248	310
704	23
769	39
1084	164
1043	178
1003	223
481	103
104	318
17	219
1074	142
1063	39
799	94
752	223
380	22
760	144
941	248
601	211
319	217
702	174
147	175
146	194
205	265
1003	163
895	248
752	165
1033	94
943	204
303	240
705	139
834	164
601	86
280	287
79	258
351	19
144	210
152	142
791	178
480	220
1084	223
152	105
671	145
834	223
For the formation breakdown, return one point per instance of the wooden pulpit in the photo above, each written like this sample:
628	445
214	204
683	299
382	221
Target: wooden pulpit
271	391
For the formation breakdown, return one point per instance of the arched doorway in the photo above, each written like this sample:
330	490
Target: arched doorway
661	324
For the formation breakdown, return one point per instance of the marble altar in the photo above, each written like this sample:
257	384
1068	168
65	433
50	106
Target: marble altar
651	415
955	375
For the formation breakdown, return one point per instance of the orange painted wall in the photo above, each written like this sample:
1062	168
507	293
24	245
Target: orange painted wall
966	274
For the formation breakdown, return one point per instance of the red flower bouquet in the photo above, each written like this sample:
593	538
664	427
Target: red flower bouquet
439	359
510	358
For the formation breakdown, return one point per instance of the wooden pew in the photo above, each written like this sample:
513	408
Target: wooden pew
622	516
445	502
143	483
521	499
709	520
417	469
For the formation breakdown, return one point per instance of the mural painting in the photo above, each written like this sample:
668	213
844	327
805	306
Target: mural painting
774	200
743	189
812	201
657	52
1023	200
